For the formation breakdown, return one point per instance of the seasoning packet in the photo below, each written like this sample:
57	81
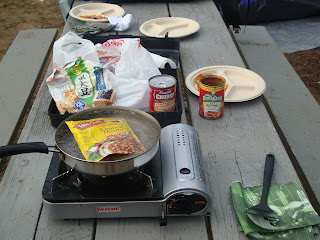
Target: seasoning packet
80	85
100	137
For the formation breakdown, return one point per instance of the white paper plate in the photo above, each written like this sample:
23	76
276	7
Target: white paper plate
243	84
111	10
175	27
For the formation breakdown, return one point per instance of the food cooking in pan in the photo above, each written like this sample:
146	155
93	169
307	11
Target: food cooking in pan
100	137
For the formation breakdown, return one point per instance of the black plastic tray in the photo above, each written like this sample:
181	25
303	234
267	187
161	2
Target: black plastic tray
166	47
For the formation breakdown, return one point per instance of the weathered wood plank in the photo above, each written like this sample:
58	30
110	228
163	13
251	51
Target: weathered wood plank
295	110
149	228
20	70
234	147
142	228
21	186
143	13
63	229
60	229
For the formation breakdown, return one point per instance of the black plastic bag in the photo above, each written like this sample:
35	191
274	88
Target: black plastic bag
263	11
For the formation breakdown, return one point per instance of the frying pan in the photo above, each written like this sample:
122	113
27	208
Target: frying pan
145	126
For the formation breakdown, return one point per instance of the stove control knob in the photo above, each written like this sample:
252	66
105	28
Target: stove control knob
186	203
182	206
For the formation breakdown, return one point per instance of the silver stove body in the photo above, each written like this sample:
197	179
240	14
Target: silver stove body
184	189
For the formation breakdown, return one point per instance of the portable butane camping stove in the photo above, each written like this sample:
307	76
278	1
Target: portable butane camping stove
171	184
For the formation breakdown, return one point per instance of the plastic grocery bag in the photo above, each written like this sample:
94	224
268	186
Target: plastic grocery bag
70	47
132	66
78	80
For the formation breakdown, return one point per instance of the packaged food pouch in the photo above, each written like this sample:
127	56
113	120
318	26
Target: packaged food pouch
82	84
100	137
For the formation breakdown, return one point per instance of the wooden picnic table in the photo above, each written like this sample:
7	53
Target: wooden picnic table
233	148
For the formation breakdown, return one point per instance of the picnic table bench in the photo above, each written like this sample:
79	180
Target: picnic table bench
294	110
233	148
20	71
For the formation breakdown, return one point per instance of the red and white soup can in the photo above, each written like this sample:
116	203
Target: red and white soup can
162	93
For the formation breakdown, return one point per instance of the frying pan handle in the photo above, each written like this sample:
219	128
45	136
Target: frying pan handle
21	148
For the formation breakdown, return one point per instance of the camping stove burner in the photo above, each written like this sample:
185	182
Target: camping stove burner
170	184
69	178
55	179
64	184
135	178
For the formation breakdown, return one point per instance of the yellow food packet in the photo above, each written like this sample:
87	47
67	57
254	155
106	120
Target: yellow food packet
100	137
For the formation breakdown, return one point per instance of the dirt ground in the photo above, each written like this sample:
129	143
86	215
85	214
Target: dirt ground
307	66
18	15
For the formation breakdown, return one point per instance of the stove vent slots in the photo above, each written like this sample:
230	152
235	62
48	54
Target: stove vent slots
181	137
187	155
183	155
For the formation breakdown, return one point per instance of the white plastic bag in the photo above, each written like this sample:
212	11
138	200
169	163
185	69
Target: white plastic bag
70	47
109	53
133	66
135	62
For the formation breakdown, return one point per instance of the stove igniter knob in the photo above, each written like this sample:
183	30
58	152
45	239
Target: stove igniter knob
186	203
182	206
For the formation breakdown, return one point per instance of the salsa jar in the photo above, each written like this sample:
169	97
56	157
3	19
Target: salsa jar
162	93
211	97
